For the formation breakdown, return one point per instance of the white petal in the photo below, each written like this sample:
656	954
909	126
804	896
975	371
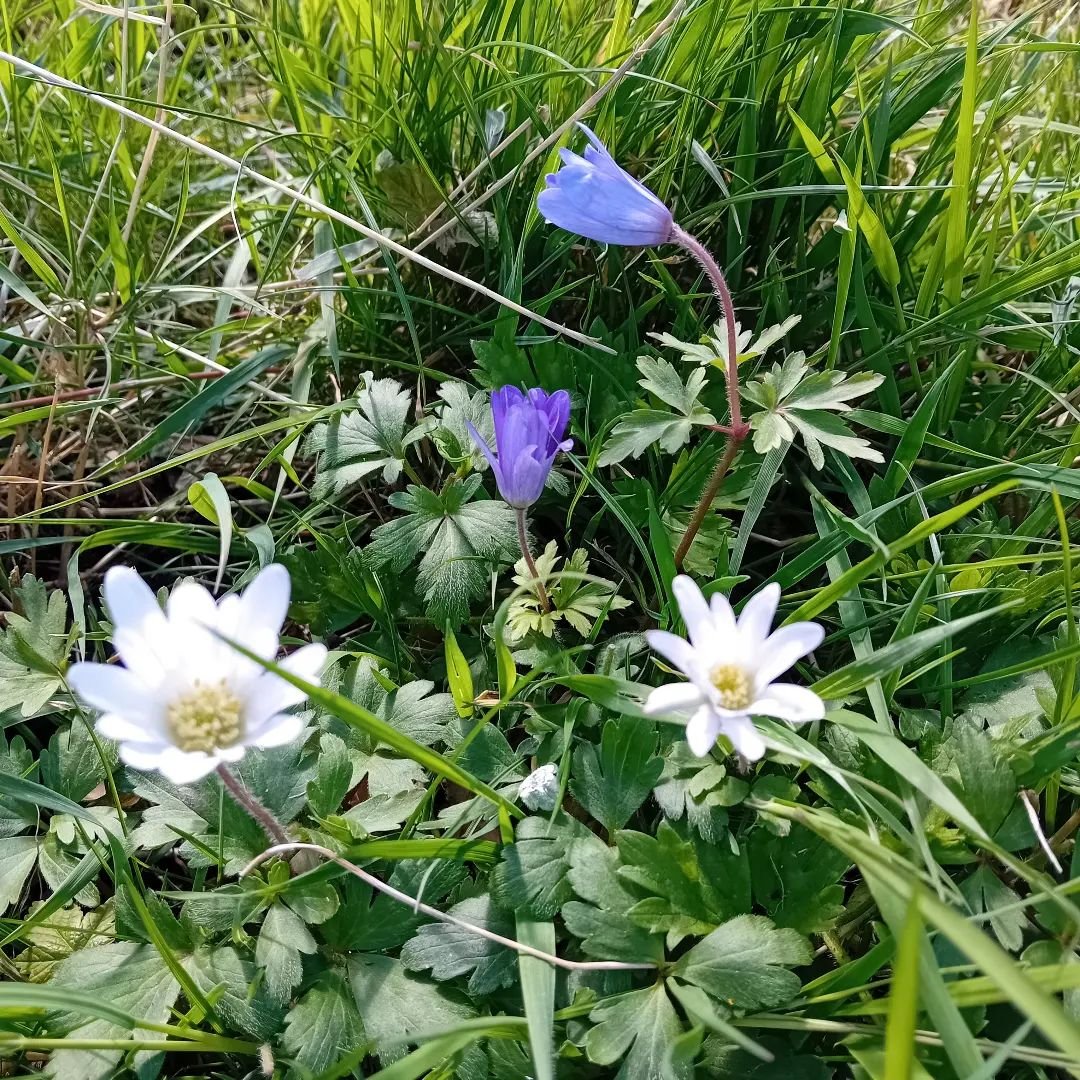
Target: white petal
261	640
174	764
123	729
264	603
269	694
673	698
307	662
254	619
231	754
672	648
184	767
129	600
148	652
702	730
789	702
744	737
278	730
783	648
695	612
199	654
109	688
228	615
143	756
756	618
723	616
190	602
140	630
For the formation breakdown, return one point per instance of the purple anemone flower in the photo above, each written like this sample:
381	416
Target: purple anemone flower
594	197
529	431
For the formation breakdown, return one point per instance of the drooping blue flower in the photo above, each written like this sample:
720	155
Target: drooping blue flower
529	431
594	197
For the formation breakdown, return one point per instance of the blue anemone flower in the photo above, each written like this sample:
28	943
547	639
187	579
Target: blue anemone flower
594	197
529	431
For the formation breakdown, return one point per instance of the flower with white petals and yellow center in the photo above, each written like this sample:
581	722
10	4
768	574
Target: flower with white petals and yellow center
731	665
185	701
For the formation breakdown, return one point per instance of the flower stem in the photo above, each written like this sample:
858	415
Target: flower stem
523	541
707	496
737	428
270	824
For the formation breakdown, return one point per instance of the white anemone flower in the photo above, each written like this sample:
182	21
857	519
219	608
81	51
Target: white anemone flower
186	701
732	665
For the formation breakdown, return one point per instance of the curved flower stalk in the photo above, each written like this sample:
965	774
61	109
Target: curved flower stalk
529	430
593	196
732	666
185	702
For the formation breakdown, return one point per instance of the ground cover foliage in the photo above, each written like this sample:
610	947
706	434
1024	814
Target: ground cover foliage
205	372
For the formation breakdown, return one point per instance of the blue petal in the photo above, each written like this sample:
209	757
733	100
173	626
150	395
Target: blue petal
526	482
598	154
593	196
486	450
610	207
528	430
502	401
558	410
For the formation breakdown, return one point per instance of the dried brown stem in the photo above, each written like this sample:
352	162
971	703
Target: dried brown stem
442	916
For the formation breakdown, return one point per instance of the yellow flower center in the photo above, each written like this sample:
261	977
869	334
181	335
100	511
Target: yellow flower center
208	717
733	684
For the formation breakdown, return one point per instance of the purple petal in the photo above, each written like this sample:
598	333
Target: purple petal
558	413
483	447
527	426
597	153
502	400
523	482
593	196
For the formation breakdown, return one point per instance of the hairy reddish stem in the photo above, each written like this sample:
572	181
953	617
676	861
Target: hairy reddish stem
523	541
270	824
737	429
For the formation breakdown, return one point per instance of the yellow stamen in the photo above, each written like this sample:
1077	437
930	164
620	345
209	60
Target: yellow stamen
733	684
207	718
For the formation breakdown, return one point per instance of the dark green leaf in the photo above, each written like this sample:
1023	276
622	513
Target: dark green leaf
323	1026
448	951
611	785
744	963
640	1026
532	877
